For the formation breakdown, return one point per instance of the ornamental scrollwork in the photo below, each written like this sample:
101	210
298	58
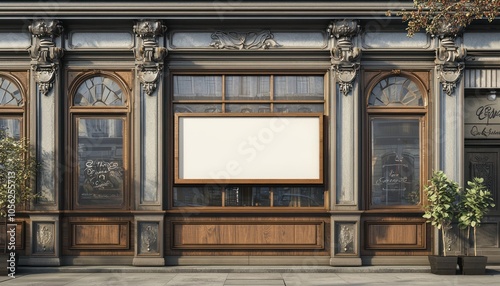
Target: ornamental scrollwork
149	237
449	58
44	53
344	55
243	41
149	55
346	238
45	238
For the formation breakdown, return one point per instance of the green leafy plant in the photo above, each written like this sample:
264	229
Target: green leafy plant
440	208
17	169
474	204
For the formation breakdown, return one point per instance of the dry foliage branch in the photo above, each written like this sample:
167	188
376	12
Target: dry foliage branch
430	15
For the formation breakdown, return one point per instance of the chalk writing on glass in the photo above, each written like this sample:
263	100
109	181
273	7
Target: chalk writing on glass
102	175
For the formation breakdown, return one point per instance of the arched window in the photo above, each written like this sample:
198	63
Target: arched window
12	108
99	116
396	120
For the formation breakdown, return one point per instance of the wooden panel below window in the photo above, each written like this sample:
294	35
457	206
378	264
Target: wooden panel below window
245	235
19	238
395	235
100	235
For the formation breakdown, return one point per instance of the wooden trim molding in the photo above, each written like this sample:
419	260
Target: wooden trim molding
100	235
247	235
395	235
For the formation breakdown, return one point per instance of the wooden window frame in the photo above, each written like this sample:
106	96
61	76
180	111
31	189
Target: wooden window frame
74	113
16	112
404	112
223	102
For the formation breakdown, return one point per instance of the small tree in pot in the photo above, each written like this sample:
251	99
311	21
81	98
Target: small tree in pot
474	204
17	169
440	209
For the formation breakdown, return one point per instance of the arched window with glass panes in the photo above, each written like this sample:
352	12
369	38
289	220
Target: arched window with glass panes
396	109
12	107
99	116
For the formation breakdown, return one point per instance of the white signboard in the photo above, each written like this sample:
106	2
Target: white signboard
482	118
258	148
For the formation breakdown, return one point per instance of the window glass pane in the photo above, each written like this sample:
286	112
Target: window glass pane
248	87
299	87
10	95
396	91
101	174
245	197
299	197
11	127
99	91
248	108
197	87
395	167
197	108
198	196
298	108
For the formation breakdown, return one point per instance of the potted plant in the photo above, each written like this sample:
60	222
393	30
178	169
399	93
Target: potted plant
474	204
17	169
440	209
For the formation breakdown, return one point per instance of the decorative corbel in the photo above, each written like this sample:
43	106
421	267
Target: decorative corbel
45	56
149	55
449	58
344	56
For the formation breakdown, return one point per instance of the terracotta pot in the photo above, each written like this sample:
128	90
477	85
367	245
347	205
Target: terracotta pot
472	265
443	265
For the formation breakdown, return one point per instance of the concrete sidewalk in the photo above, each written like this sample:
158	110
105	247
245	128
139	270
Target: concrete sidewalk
251	275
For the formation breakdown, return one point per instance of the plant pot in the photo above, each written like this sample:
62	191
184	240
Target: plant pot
443	265
472	265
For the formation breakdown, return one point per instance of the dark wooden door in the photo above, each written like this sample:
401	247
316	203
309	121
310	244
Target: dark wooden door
484	162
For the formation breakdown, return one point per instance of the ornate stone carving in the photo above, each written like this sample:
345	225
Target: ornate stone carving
148	237
344	56
44	238
149	55
243	41
345	238
45	56
449	58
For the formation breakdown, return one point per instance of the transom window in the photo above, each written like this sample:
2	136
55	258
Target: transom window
249	93
396	142
11	108
99	136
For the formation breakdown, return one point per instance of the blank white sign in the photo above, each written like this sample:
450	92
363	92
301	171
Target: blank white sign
249	149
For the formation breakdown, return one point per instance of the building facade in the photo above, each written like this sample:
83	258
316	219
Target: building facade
244	132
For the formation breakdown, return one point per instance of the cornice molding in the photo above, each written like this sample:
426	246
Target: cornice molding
217	9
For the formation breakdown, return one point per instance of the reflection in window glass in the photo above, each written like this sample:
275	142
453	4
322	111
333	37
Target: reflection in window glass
204	196
99	91
101	174
244	197
299	197
197	108
11	127
395	167
248	108
197	87
299	87
298	108
248	87
396	91
10	95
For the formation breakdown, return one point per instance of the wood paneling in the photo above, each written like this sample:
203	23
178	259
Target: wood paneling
100	235
19	235
395	235
248	235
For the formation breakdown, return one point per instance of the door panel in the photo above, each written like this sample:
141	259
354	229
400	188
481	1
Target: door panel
484	162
